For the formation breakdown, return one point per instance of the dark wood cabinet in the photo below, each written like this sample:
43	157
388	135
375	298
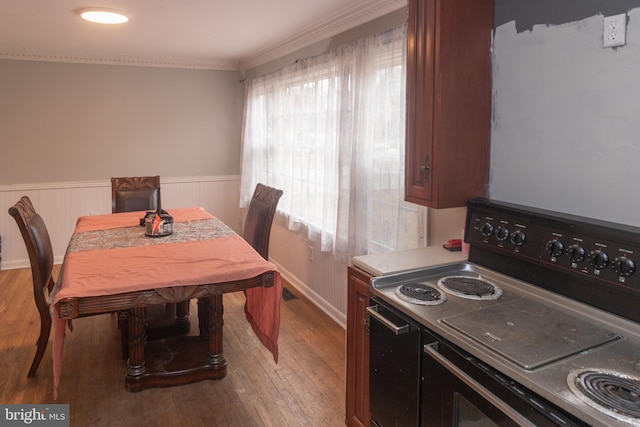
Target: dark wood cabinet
357	405
448	128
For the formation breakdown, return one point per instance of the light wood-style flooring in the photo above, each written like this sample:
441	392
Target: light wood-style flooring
305	388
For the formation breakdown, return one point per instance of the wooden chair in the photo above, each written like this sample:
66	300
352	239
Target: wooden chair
257	227
262	209
142	193
36	238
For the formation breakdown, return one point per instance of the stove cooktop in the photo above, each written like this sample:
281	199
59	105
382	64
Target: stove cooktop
534	336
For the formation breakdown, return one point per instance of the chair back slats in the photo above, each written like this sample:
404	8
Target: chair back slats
43	250
36	238
137	193
262	209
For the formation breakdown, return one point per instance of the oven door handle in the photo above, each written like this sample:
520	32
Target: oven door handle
477	387
372	311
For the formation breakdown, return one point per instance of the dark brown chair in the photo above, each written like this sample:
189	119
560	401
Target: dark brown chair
36	238
140	193
262	209
257	225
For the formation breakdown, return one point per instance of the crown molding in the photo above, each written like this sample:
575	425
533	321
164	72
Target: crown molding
358	14
349	18
193	63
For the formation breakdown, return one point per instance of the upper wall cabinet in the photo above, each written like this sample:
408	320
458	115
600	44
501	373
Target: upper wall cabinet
448	129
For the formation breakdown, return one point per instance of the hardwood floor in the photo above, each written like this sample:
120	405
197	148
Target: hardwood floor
305	388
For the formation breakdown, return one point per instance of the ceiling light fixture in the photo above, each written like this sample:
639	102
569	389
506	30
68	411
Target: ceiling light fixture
104	16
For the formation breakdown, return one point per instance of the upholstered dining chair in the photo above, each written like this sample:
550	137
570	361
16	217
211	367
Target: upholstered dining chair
262	209
36	238
142	193
138	193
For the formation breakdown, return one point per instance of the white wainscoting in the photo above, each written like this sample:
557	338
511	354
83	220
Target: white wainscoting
60	204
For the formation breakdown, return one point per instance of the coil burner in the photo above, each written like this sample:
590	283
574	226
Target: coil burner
419	293
611	392
470	287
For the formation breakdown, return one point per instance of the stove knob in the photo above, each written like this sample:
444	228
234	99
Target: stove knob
599	259
576	253
518	238
487	229
502	233
624	266
555	247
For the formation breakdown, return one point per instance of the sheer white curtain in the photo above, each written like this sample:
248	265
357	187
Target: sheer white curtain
329	132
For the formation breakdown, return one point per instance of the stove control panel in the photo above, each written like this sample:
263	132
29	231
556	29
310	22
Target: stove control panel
575	245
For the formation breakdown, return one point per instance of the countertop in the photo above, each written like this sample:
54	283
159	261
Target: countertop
393	262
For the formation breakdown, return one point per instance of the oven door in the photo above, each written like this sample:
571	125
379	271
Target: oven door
459	390
394	371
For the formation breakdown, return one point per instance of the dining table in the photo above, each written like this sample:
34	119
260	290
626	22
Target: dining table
112	265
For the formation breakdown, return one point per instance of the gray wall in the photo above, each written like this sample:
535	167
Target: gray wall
63	122
75	122
566	126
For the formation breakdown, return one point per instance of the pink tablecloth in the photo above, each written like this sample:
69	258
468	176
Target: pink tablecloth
109	254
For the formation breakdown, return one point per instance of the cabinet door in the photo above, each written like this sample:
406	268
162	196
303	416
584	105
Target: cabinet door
448	127
420	102
357	393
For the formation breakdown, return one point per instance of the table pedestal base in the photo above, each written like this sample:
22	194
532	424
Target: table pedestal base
176	360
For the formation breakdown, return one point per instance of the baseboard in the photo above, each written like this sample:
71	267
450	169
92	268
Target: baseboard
311	295
22	263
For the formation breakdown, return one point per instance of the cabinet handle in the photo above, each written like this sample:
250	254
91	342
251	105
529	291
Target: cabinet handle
397	330
424	168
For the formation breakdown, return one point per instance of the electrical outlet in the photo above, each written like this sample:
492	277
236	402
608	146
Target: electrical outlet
614	30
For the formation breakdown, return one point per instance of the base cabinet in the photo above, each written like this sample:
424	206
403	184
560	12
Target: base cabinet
357	375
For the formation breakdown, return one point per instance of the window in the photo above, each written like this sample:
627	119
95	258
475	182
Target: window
329	132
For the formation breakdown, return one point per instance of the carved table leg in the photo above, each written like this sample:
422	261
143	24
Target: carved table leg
182	317
137	338
123	326
210	319
203	318
214	326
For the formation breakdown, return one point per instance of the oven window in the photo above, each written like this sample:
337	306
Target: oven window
468	415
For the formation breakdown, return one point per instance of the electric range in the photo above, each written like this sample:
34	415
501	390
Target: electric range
545	311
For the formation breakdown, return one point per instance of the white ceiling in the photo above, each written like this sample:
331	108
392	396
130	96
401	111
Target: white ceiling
210	34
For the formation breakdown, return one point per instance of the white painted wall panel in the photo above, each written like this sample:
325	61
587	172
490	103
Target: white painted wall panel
566	129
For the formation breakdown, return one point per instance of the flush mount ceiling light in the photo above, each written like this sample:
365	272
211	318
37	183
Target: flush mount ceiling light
104	16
